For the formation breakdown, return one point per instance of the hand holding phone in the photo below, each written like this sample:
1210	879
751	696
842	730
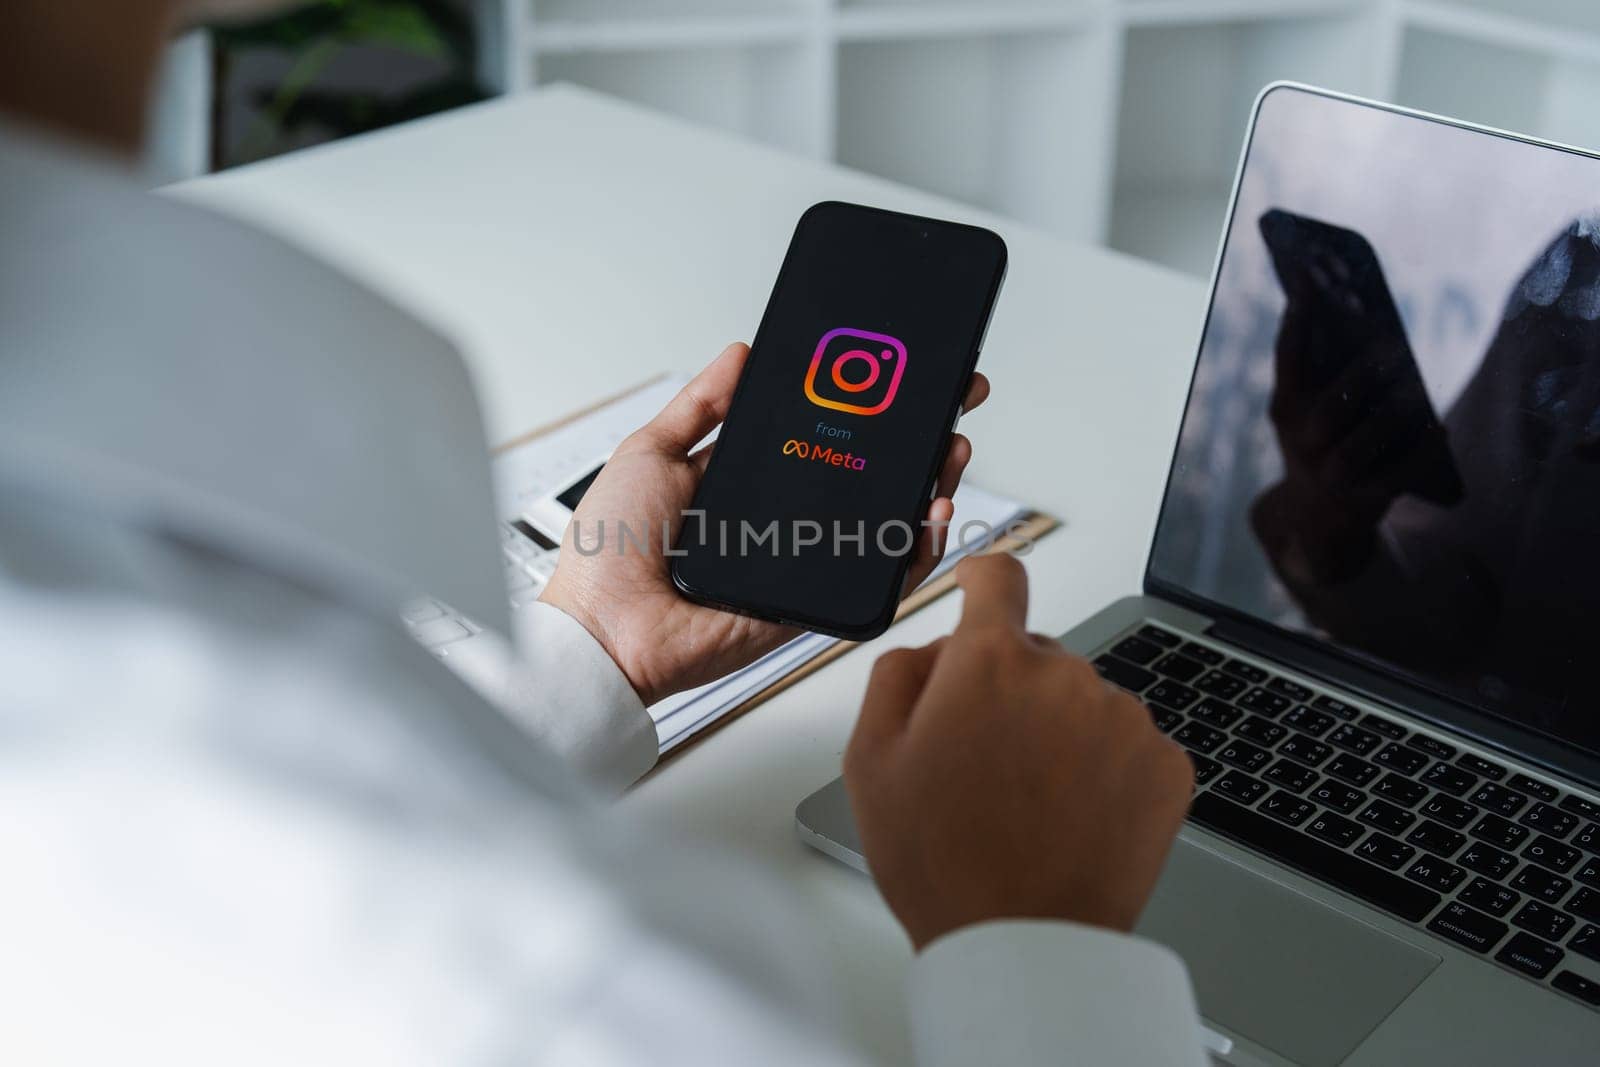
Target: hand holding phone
662	642
816	492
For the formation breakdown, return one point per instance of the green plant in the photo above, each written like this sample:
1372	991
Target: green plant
315	34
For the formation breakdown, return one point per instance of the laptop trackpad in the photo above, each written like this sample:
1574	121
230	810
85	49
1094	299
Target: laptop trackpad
1277	967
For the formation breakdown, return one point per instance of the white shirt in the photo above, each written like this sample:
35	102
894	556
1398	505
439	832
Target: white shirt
246	820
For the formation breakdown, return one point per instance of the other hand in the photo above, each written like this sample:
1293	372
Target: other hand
994	775
662	642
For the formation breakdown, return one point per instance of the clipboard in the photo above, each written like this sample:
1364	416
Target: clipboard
1033	526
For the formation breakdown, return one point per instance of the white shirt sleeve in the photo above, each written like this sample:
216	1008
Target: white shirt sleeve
1038	992
564	690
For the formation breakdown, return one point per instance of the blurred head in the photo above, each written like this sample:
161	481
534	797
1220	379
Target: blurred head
85	68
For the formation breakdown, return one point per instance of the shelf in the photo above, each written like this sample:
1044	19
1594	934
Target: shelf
765	92
1517	21
1014	123
912	19
1187	91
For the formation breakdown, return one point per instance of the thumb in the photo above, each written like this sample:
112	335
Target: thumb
699	406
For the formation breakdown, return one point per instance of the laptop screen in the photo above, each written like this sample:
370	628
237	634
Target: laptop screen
1392	443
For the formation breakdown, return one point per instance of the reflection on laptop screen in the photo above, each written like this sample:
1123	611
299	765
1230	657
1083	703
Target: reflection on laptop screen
1393	439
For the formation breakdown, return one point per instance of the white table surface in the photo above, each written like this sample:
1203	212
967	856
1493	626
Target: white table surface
572	246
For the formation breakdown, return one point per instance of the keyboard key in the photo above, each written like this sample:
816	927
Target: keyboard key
1170	694
1498	798
1589	873
1291	776
1264	703
1248	671
1335	829
1548	852
1178	666
1402	791
1585	904
1166	719
1223	686
1586	942
1334	706
1486	896
1585	809
1435	873
1543	920
1496	831
1589	837
1261	731
1385	851
1122	674
1305	750
1287	807
1386	816
1450	779
1164	638
1387	727
1199	737
1338	797
1530	955
1205	654
1136	650
436	632
1449	810
1431	745
1538	882
1543	790
1293	690
1240	787
1355	739
1306	718
1399	758
1481	767
1244	755
1488	860
1205	769
1355	771
1214	712
1585	989
1468	928
1549	820
1435	838
1300	851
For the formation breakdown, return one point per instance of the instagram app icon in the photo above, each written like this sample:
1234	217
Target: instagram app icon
863	371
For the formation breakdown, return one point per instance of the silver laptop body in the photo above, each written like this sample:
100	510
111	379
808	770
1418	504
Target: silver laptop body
1393	854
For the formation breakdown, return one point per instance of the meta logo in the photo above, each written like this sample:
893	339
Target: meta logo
863	375
826	455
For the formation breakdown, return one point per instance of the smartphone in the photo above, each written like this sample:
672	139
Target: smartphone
1334	275
821	477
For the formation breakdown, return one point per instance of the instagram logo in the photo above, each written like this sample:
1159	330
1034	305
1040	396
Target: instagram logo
864	370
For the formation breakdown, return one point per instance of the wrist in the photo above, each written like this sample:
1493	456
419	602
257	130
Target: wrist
576	607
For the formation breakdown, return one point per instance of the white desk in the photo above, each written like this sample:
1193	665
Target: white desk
573	246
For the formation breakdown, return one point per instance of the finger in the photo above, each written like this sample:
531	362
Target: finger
977	391
897	681
995	589
700	406
930	544
956	459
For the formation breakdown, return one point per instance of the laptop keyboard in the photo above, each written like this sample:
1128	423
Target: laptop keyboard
1493	860
530	559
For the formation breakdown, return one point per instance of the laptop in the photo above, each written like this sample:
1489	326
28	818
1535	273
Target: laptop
1369	608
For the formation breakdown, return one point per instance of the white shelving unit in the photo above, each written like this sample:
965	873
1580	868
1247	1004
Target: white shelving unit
1115	121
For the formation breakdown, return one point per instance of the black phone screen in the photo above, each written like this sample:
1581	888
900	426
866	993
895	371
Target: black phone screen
820	478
